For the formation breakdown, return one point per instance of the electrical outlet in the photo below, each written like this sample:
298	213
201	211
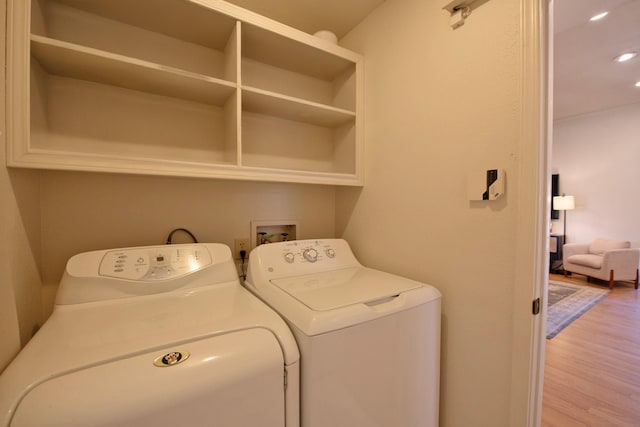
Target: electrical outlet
240	245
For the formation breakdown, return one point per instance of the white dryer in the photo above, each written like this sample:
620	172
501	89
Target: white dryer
369	341
158	335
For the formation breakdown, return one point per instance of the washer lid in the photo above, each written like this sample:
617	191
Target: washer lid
340	288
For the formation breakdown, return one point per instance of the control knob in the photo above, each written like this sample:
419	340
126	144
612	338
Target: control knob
310	255
330	252
289	257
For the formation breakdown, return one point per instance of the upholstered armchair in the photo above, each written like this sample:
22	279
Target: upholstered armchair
602	259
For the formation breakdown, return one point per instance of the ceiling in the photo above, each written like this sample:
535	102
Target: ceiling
586	78
337	16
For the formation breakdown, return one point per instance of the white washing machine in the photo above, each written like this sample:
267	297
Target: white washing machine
159	335
369	341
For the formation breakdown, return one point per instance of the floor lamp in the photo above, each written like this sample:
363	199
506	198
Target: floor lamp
564	203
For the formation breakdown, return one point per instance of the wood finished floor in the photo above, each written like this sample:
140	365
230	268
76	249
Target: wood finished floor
592	367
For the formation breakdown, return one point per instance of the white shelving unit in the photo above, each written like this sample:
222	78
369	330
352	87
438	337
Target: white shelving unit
179	87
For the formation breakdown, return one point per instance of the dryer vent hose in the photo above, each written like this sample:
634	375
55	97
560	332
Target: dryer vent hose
170	236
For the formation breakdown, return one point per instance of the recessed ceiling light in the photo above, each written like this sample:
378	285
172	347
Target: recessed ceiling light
625	57
637	84
598	16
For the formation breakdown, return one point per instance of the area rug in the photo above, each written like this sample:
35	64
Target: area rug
567	302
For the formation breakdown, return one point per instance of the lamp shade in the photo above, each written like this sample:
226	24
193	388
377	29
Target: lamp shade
563	203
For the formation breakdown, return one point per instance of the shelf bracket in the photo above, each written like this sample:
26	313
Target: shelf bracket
456	5
460	10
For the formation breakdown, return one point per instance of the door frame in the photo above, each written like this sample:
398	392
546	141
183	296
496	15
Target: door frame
528	339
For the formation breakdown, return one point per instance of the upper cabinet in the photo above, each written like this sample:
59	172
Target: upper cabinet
179	87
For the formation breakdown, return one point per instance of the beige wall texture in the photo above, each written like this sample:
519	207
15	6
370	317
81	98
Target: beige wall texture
86	211
20	294
440	103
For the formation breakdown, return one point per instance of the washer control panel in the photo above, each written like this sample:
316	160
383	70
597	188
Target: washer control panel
155	263
307	251
298	257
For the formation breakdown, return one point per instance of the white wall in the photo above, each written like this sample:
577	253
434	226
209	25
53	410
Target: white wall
597	156
440	102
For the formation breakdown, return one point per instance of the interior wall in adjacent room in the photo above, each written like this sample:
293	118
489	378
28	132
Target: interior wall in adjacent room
597	156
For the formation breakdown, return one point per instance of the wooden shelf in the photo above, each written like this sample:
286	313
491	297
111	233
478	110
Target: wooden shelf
83	63
294	55
198	88
286	107
179	19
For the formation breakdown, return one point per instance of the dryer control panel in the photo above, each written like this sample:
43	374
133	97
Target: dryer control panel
155	263
147	270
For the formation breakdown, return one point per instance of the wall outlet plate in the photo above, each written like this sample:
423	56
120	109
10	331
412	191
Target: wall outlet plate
241	245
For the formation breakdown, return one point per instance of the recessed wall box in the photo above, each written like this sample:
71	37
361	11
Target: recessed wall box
271	231
486	184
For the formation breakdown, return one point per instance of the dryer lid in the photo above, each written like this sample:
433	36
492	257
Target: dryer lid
344	287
